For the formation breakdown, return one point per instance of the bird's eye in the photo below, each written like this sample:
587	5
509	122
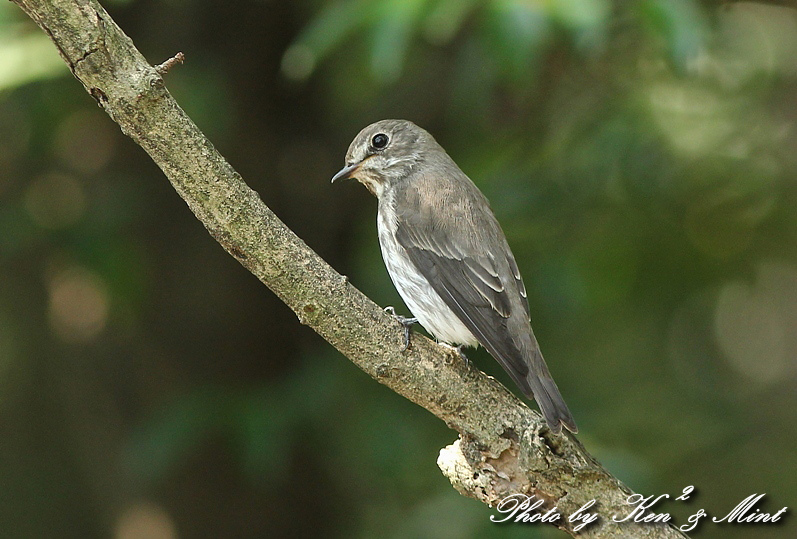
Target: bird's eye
379	141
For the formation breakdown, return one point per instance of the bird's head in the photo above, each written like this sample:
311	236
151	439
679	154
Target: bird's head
384	153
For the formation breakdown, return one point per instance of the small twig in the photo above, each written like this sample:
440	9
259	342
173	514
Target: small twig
164	68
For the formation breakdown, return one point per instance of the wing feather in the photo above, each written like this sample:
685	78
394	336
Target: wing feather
471	288
519	283
461	251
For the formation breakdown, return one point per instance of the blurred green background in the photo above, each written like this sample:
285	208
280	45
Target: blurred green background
641	155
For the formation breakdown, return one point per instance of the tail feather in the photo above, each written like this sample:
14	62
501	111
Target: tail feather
537	383
545	392
551	403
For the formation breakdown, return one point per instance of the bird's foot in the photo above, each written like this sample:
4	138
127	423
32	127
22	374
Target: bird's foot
405	322
458	351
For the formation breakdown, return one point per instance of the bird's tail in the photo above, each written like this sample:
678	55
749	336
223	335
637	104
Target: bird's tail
545	392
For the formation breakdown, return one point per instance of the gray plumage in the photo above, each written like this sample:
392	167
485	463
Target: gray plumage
447	255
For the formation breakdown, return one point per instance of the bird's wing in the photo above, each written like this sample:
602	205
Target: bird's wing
521	288
466	275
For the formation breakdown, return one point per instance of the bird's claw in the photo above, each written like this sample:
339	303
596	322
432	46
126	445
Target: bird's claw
458	351
462	355
405	322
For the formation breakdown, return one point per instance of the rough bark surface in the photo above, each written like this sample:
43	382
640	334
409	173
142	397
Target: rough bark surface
504	447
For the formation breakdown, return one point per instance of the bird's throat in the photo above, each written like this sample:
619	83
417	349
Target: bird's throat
374	187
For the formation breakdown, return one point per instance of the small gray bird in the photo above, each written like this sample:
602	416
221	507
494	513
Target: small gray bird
447	255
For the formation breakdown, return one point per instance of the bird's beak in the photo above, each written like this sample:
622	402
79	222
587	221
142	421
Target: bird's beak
346	172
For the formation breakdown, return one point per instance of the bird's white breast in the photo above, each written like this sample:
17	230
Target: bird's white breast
424	303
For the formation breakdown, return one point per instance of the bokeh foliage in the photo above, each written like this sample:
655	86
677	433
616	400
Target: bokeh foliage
640	155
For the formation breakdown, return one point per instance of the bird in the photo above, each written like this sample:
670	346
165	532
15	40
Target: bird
448	256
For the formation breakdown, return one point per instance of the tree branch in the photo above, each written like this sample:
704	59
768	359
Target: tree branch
504	448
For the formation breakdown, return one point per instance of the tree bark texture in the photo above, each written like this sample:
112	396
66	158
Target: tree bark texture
504	447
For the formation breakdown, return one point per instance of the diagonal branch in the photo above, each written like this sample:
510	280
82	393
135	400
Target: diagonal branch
504	448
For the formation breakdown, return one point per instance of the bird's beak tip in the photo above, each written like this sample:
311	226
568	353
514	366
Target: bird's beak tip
345	173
